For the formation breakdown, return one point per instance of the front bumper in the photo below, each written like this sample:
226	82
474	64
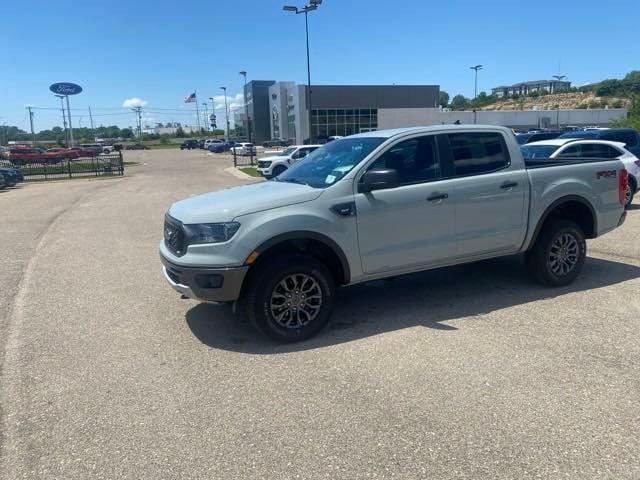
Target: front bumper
204	283
265	172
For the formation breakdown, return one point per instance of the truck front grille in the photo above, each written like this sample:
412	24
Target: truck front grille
174	237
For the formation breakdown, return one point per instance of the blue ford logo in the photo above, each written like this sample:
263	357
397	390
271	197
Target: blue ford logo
65	88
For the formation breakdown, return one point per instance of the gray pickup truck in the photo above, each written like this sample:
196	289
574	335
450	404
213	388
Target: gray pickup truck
382	204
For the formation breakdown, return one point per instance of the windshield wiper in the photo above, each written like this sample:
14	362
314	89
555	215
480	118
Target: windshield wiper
293	180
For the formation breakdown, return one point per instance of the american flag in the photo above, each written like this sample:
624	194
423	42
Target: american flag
190	98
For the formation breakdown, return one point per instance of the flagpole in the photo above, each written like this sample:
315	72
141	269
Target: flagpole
197	114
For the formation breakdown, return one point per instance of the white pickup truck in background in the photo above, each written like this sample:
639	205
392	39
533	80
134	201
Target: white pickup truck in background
382	204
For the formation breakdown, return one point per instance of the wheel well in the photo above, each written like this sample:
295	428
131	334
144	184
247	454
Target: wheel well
574	210
634	183
307	246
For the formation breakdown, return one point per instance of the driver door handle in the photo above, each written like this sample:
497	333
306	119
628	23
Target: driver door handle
506	185
437	196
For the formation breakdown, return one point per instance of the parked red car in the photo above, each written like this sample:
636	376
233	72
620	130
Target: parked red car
29	155
64	152
84	151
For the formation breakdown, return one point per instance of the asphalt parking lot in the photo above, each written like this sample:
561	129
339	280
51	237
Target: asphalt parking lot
464	373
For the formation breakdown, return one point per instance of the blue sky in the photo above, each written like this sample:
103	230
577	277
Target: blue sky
160	51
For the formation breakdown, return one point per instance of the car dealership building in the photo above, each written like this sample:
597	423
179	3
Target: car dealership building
278	110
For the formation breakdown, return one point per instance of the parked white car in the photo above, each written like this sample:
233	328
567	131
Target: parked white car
210	141
244	148
573	148
274	165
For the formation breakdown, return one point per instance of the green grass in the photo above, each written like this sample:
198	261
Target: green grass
253	171
131	164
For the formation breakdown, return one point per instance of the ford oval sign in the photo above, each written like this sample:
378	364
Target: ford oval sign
65	88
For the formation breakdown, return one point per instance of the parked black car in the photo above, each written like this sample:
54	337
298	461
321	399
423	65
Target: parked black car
136	146
523	138
201	143
3	184
189	144
276	143
628	136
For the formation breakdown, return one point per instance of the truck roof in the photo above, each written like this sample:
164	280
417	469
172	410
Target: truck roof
392	132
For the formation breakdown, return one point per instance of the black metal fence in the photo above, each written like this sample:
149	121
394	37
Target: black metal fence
58	169
243	160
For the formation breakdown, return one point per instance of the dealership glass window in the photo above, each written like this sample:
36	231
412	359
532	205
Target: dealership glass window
343	121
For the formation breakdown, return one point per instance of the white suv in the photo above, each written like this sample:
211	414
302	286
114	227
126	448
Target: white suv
573	148
274	165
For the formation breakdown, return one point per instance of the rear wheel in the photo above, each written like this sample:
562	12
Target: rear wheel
558	254
629	192
290	298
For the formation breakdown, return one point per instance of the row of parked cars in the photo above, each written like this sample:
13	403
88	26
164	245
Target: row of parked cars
26	155
596	143
217	145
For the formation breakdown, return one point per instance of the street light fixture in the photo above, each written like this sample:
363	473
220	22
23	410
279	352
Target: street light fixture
310	7
226	110
246	105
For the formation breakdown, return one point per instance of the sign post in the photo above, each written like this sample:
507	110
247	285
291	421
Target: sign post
66	89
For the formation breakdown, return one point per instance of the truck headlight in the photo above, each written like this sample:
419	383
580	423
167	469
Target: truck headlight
199	233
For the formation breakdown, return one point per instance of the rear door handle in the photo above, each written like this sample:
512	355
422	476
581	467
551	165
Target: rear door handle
437	196
506	185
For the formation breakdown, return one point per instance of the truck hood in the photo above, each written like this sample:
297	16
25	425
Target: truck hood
273	158
225	205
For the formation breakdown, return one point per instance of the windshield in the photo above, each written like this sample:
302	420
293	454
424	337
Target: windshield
522	138
286	152
331	162
538	151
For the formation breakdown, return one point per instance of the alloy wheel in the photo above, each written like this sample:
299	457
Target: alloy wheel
296	300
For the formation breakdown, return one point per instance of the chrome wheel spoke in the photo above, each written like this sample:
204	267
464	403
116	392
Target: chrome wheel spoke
563	254
296	300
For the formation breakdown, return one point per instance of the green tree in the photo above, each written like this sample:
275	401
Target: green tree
443	99
126	133
460	102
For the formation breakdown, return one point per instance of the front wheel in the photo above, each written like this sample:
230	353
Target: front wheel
290	298
558	254
278	170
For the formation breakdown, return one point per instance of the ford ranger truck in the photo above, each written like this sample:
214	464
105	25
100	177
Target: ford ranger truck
381	204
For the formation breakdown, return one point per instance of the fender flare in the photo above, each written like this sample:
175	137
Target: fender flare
308	235
556	203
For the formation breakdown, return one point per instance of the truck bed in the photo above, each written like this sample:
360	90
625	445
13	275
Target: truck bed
556	162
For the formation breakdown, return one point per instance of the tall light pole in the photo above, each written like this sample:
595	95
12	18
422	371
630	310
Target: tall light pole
226	110
559	78
475	91
310	7
246	105
64	119
206	116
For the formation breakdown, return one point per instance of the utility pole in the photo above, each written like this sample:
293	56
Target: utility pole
138	111
197	114
70	126
246	106
93	133
64	120
226	110
33	135
559	78
475	92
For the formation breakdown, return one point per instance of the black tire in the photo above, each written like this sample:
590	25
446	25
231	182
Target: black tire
630	193
278	170
265	288
560	240
106	151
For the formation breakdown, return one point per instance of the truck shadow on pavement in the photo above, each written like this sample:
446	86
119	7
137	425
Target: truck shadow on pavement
430	299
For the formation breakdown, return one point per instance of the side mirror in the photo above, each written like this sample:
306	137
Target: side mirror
378	179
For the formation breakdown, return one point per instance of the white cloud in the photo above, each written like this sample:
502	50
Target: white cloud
232	102
134	102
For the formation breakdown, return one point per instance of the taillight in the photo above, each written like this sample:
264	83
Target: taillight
623	182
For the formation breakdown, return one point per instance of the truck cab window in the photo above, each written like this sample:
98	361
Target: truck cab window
478	153
415	160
